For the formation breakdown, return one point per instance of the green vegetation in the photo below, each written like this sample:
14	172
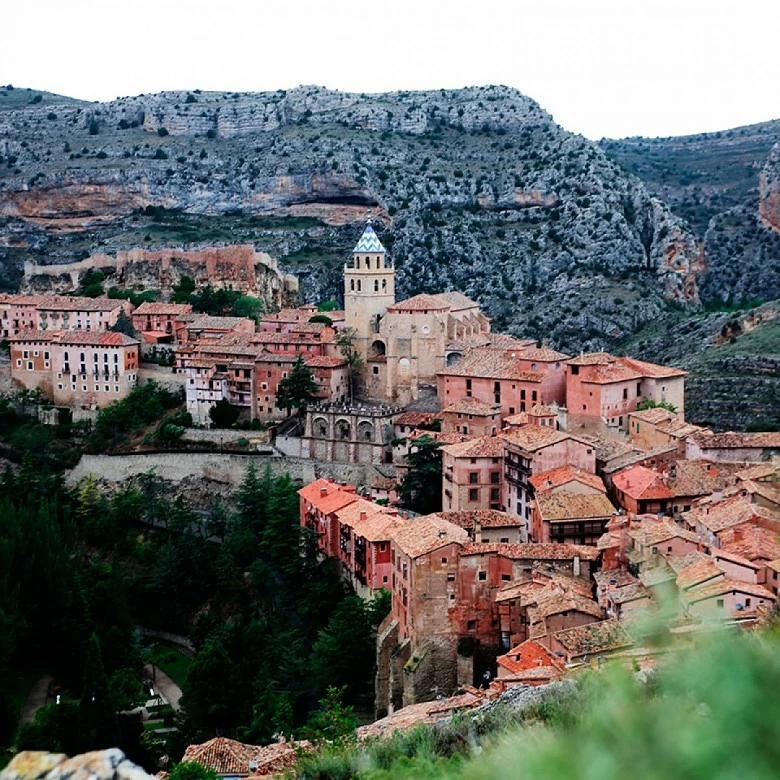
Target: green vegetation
298	390
647	403
173	662
704	715
223	414
420	487
91	284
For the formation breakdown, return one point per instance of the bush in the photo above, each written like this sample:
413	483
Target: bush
162	132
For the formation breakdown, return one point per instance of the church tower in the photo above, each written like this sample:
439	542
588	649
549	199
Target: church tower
369	289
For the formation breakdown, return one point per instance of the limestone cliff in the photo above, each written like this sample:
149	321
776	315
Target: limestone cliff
476	189
769	191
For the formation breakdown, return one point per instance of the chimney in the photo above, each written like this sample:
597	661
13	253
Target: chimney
673	470
363	517
577	567
323	492
539	344
477	531
738	535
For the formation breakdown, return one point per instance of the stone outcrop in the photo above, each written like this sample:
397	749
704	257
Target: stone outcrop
237	267
98	765
477	190
769	191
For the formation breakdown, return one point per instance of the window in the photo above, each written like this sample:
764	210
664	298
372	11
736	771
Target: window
719	603
473	495
29	365
625	393
473	478
494	494
450	578
505	578
482	576
444	560
504	540
495	477
19	363
375	370
747	602
26	354
471	625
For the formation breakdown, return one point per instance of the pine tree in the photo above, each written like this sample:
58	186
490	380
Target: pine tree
123	324
282	534
298	390
421	486
97	720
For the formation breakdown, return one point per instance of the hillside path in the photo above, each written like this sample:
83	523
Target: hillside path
166	686
36	698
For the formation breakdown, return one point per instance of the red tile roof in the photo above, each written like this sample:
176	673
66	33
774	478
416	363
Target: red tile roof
414	419
484	447
472	406
335	496
594	638
541	354
641	483
487	518
732	440
727	585
533	437
533	552
422	535
564	505
527	656
227	757
171	309
488	363
548	480
97	338
324	361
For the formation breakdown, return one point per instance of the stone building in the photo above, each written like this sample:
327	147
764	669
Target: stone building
473	474
404	344
349	434
76	367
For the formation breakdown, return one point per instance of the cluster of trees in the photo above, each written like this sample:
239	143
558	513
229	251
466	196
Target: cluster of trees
82	569
217	302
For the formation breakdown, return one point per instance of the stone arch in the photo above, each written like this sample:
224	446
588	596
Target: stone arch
343	430
320	428
404	366
378	348
365	430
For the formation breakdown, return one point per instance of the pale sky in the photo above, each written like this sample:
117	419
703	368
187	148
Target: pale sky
601	67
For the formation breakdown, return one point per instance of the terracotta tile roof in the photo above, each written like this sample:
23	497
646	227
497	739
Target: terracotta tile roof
548	480
594	638
472	406
209	322
767	491
521	418
719	554
484	447
751	542
694	478
171	309
371	521
488	363
609	449
637	456
774	565
641	483
553	601
422	535
607	541
65	303
324	361
652	532
653	415
539	410
441	438
532	437
96	338
724	586
652	370
678	429
759	471
414	419
728	513
632	592
487	518
420	303
615	578
227	757
529	656
542	354
732	440
698	573
680	562
507	342
530	551
565	506
611	374
592	359
335	496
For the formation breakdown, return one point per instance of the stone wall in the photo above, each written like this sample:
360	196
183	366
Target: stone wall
109	764
225	468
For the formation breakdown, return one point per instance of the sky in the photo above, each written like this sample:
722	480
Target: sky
602	68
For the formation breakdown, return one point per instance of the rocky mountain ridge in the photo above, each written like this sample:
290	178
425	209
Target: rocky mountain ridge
478	190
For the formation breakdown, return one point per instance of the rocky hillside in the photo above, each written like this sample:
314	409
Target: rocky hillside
734	363
727	186
478	190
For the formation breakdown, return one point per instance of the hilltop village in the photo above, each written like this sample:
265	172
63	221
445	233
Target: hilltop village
573	498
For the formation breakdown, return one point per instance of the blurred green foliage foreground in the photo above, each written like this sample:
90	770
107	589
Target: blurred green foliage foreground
711	710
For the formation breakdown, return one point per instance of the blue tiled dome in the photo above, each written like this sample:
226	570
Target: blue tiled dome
369	242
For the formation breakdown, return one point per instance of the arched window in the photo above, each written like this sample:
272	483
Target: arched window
358	285
343	429
352	285
366	431
376	285
320	428
378	261
378	348
384	285
403	366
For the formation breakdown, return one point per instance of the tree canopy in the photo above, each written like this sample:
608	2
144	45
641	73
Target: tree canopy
297	390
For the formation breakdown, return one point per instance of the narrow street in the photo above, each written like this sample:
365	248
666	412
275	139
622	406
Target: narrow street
165	685
36	698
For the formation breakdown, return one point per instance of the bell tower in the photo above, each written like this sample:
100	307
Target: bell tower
369	289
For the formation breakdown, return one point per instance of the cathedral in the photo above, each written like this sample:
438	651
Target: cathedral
403	344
